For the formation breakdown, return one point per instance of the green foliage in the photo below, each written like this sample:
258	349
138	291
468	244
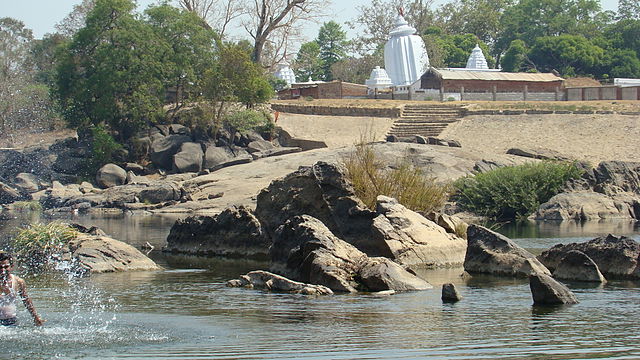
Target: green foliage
515	191
308	64
371	177
569	54
629	9
332	41
457	48
27	206
103	147
37	244
515	59
246	120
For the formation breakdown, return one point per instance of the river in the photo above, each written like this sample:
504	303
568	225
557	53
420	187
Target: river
187	312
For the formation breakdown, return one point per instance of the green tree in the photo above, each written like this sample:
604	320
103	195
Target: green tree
457	48
478	17
569	54
628	9
516	58
356	70
111	73
308	64
332	41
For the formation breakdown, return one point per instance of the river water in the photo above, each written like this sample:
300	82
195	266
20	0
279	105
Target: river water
187	312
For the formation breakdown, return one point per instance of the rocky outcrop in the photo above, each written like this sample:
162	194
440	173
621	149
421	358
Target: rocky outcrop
493	253
577	266
8	194
163	149
450	294
27	182
537	153
617	257
235	233
547	291
304	249
111	175
273	282
218	157
410	239
188	159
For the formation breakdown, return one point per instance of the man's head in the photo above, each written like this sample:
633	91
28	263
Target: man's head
6	263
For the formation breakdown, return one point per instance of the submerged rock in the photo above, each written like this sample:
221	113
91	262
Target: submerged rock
617	257
547	291
450	293
493	253
265	280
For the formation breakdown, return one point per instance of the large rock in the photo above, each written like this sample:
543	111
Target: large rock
265	280
493	253
27	182
163	149
617	257
8	194
617	176
577	266
189	158
410	239
234	232
304	249
538	153
587	205
547	291
111	175
218	157
259	145
323	192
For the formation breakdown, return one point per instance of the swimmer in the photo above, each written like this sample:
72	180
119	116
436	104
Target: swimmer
12	287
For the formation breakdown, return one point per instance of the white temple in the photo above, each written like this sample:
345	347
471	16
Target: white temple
405	55
285	73
476	59
378	79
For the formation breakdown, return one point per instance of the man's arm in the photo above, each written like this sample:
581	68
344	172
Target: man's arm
26	300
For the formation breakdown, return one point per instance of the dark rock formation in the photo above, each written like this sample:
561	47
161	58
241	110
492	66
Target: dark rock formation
617	257
234	232
450	293
9	194
577	266
546	291
493	253
544	154
188	159
272	282
163	149
218	157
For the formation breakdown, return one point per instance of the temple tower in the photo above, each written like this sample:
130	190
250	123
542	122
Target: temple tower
476	59
405	55
285	73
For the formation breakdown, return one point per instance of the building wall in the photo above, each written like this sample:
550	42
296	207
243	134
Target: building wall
630	93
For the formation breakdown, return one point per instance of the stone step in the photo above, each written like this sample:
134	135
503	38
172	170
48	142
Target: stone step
431	112
427	119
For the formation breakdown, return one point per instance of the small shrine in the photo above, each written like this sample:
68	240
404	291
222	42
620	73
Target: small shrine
378	80
477	60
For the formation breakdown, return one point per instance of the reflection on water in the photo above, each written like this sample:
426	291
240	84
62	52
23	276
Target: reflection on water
186	311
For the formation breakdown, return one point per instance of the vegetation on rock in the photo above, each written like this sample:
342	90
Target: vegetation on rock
515	191
37	244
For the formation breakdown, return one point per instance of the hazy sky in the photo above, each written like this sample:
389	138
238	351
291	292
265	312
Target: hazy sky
42	15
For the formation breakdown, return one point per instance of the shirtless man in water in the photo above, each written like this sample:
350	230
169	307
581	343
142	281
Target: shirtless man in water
12	287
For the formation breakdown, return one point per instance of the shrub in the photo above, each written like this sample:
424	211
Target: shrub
103	147
37	244
515	191
245	120
27	205
371	177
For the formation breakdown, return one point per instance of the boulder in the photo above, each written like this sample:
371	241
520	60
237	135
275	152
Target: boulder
450	293
547	291
27	182
544	154
179	129
235	232
493	253
111	175
276	151
67	163
218	157
588	205
617	176
304	249
189	158
259	145
98	253
410	239
577	266
323	192
272	282
163	149
137	169
617	257
8	194
58	194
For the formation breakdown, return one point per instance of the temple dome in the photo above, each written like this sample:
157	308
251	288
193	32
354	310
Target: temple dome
285	73
405	55
378	79
476	59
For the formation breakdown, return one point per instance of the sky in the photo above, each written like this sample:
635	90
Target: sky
42	15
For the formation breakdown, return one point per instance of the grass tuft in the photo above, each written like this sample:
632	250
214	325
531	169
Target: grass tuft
36	244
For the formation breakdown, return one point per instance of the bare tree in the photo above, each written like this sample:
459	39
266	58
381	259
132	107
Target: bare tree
268	18
216	14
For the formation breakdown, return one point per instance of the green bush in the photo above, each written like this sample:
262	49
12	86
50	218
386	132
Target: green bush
371	177
515	191
103	147
35	245
245	120
27	205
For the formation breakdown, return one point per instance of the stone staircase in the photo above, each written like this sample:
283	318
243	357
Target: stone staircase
425	120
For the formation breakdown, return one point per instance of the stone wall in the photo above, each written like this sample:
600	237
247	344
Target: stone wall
309	109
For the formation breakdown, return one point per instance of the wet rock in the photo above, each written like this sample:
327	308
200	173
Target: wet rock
189	158
304	249
410	239
110	175
450	293
577	266
235	232
8	194
272	282
547	291
617	257
163	149
493	253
